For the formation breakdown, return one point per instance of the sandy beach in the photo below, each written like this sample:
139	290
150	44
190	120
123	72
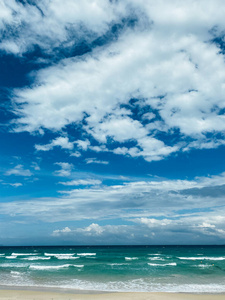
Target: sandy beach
40	295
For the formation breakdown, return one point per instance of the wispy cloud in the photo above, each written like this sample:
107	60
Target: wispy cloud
96	161
82	182
19	171
166	199
16	184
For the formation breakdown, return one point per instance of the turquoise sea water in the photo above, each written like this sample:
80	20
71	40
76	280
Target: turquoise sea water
116	268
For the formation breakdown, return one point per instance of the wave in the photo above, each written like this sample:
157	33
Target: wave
118	264
59	254
11	257
202	258
203	266
86	254
38	267
13	265
36	258
23	254
2	254
140	285
131	258
15	273
66	257
156	258
162	265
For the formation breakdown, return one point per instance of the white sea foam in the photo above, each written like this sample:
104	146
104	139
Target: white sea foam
202	258
14	265
15	273
131	258
11	257
2	254
156	258
86	254
136	285
118	264
37	258
203	266
162	265
66	257
59	254
39	267
141	285
23	254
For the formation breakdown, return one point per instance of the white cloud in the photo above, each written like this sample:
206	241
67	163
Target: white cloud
62	142
16	184
163	199
35	166
65	170
83	144
96	161
171	66
53	24
65	230
82	182
76	154
151	230
19	171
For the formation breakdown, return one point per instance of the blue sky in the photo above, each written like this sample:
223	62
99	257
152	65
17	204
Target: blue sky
112	122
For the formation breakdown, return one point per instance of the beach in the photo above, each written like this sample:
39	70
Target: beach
40	295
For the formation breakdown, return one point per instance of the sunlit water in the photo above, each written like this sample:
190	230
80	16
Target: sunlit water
123	268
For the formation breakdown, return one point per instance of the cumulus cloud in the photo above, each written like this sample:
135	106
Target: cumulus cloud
76	154
65	170
51	25
19	171
62	142
151	231
83	144
171	68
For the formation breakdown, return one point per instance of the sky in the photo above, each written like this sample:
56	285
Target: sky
112	122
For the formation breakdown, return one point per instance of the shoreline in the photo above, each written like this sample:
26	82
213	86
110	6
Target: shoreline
40	294
61	290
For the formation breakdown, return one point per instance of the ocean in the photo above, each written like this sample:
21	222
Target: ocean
198	269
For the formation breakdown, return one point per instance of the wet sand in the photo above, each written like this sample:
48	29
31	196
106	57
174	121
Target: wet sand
47	295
